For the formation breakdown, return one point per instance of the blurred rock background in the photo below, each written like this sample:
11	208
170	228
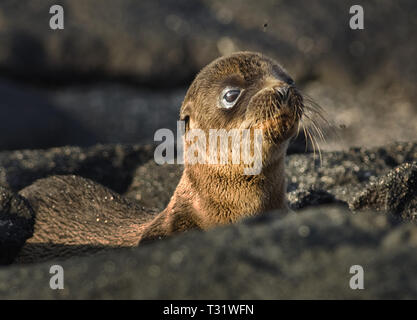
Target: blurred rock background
119	70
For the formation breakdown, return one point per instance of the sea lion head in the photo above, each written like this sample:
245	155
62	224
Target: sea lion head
247	93
245	90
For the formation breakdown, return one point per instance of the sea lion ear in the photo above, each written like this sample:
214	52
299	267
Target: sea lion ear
185	115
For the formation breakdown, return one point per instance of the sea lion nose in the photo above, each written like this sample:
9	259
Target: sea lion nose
282	90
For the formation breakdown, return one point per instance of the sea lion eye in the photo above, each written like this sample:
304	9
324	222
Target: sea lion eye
229	97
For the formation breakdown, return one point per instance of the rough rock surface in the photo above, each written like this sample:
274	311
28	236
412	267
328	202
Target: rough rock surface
301	255
16	224
110	165
304	254
394	192
153	185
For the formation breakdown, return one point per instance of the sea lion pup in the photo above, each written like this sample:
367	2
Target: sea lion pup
243	91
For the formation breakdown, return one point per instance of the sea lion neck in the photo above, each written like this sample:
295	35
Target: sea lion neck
222	194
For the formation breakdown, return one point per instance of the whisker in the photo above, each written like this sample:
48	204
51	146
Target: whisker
314	120
305	137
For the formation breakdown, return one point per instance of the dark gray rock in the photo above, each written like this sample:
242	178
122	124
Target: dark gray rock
153	185
394	192
110	165
356	178
16	224
340	168
303	254
274	256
